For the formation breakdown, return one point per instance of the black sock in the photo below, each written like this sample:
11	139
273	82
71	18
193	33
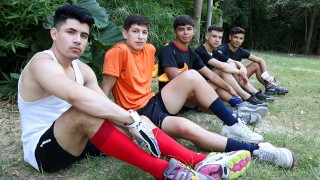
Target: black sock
233	145
221	111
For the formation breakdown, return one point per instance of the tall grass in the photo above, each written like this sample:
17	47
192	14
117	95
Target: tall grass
293	121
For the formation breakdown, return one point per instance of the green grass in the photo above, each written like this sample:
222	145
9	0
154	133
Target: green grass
293	121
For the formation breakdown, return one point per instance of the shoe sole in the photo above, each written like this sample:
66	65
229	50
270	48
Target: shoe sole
292	163
270	100
236	165
275	93
261	111
151	144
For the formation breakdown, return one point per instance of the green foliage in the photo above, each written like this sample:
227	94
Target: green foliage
28	27
20	17
161	15
9	86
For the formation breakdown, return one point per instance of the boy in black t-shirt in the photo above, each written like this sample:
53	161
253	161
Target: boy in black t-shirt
231	71
258	65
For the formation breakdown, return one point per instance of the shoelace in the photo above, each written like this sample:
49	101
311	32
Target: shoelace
243	115
251	106
248	105
243	125
187	170
266	155
256	100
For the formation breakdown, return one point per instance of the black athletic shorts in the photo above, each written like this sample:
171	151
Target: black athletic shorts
51	157
155	110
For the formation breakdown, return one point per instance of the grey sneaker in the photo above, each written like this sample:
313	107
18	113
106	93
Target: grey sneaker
248	118
177	171
247	107
142	134
280	156
229	165
240	131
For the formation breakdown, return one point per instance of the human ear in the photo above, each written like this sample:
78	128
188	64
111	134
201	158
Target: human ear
124	33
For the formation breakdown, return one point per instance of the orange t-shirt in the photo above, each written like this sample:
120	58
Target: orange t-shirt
132	89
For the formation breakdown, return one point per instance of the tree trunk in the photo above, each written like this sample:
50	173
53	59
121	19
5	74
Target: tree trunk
209	13
250	25
221	17
311	27
197	18
318	49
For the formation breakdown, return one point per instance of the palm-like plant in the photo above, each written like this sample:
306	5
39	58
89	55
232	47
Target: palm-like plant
104	35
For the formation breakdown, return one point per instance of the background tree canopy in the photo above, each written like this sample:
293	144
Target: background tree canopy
287	26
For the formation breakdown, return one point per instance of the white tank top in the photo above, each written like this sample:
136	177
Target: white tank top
37	116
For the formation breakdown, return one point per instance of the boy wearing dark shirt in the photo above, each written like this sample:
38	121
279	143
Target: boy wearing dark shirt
258	65
230	70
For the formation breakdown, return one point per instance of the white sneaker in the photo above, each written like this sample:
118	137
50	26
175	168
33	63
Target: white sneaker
142	134
247	107
240	131
248	118
280	156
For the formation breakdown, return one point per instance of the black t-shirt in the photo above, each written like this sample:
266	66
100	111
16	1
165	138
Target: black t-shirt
238	55
172	56
205	56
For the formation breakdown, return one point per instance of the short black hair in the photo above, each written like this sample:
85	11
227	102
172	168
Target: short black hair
70	11
237	30
182	21
135	19
215	27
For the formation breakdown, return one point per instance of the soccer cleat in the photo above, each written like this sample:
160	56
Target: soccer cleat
280	156
263	97
247	107
142	134
229	165
274	90
240	131
253	100
248	118
179	171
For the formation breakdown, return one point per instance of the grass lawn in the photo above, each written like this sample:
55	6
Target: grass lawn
293	121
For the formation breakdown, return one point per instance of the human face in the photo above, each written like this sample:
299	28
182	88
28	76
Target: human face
214	38
70	39
136	37
184	34
236	40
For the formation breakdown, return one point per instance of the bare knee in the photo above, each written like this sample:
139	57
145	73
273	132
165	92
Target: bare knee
192	76
186	132
80	121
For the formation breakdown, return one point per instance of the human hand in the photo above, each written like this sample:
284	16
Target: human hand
143	135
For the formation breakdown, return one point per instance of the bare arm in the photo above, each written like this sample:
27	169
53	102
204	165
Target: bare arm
171	72
108	83
53	79
258	60
223	66
217	80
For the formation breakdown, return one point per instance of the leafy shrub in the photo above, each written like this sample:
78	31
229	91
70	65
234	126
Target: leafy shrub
26	31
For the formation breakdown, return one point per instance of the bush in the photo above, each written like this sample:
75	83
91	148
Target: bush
26	31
